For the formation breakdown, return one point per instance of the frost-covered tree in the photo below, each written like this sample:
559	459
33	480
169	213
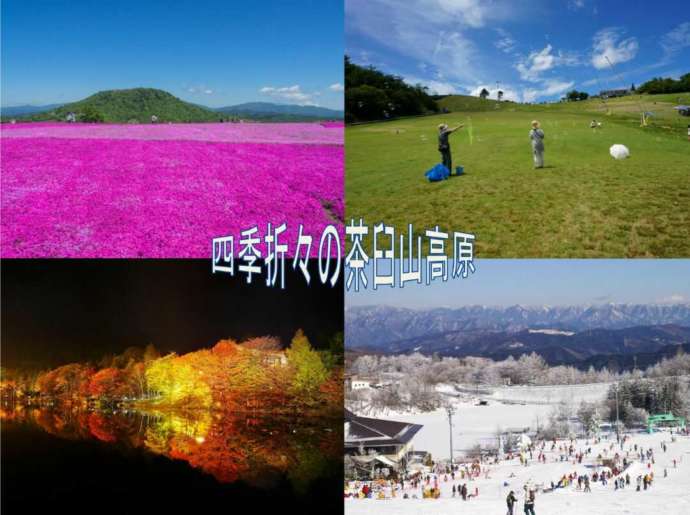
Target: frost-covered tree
589	415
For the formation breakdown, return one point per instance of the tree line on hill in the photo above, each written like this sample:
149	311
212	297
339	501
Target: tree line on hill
574	95
409	382
419	375
654	86
373	95
256	374
666	85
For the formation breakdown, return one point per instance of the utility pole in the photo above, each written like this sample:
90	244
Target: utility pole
450	411
617	418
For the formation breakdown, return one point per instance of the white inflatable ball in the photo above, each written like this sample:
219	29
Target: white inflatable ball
619	151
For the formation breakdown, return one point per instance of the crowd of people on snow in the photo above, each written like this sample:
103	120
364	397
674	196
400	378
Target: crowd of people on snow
420	485
611	467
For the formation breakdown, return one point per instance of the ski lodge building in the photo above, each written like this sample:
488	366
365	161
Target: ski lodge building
375	444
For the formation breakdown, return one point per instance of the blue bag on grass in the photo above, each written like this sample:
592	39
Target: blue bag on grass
459	170
437	173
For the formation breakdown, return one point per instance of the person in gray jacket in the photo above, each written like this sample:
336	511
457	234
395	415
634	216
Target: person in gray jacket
444	144
536	135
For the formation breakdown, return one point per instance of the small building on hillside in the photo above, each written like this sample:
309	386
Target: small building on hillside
613	93
274	358
378	447
355	382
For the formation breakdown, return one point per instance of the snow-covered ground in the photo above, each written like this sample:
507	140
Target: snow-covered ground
472	425
667	495
522	407
552	394
509	407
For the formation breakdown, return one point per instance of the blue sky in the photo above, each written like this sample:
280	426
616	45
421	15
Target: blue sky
553	282
536	49
212	52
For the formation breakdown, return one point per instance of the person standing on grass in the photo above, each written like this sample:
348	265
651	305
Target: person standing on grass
444	145
536	135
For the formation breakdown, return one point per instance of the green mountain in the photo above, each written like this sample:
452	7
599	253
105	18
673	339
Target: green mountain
131	105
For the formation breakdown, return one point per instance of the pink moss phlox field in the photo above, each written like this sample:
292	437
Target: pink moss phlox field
148	197
327	133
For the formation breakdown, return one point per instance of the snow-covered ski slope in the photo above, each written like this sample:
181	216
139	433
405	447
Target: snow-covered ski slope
667	495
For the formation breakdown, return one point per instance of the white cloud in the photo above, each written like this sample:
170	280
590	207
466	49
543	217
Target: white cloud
672	299
609	45
435	32
530	95
200	90
336	87
531	68
536	63
556	87
576	5
551	88
676	40
505	42
472	12
292	94
436	87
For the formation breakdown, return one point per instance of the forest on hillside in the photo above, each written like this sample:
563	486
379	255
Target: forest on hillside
666	85
373	95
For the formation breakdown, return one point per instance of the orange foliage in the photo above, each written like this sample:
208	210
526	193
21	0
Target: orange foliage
265	343
225	348
100	428
110	383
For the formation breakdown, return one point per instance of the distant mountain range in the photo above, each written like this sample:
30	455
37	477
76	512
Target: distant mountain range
26	109
139	104
608	335
268	109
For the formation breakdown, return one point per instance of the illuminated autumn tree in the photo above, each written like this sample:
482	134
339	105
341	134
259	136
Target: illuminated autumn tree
64	382
309	371
110	383
178	382
263	343
136	377
225	348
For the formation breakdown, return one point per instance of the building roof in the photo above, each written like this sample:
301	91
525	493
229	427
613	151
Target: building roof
375	431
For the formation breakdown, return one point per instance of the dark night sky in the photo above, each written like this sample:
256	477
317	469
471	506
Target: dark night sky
59	311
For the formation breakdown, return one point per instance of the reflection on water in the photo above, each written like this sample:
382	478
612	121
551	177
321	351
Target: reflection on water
260	451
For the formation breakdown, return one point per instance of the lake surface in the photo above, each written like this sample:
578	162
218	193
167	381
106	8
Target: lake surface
131	462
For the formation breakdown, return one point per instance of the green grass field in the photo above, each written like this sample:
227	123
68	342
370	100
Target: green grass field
583	204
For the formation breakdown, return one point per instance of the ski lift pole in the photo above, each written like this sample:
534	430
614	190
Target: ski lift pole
639	102
617	417
449	409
